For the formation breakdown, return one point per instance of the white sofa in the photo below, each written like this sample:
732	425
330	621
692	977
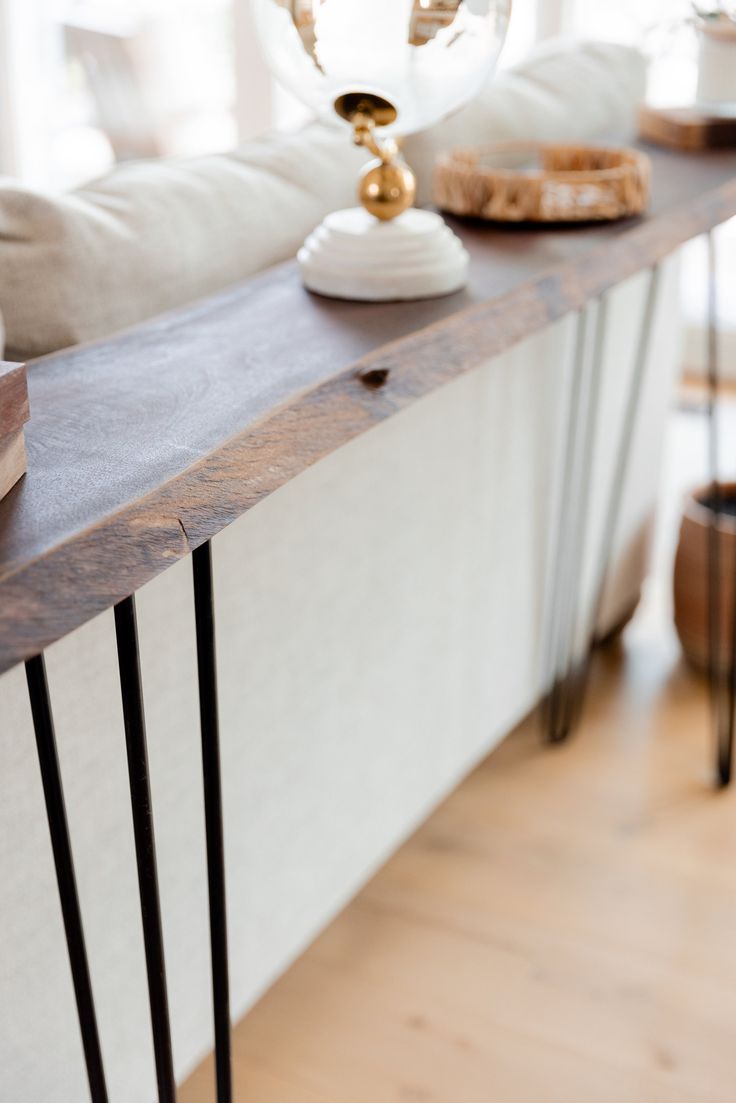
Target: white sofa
379	623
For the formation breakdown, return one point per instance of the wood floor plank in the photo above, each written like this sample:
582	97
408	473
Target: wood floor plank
559	930
382	1010
251	1081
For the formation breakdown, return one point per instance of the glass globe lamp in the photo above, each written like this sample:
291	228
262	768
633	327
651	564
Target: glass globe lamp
387	68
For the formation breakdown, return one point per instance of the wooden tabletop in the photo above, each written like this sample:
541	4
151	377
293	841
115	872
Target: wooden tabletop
143	446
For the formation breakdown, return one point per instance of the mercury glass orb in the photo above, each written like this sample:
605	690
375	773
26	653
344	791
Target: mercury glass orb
418	60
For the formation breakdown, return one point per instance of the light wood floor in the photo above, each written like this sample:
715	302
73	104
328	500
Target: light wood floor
563	930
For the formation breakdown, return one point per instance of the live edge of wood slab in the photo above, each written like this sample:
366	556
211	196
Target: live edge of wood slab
143	446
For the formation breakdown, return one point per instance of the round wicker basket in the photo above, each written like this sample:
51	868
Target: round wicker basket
517	182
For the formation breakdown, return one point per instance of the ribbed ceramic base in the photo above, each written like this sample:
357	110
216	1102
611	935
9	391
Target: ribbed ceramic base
354	256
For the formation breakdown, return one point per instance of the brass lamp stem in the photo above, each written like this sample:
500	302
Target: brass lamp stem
364	135
387	186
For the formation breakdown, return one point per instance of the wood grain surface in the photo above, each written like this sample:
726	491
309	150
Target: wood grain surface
143	446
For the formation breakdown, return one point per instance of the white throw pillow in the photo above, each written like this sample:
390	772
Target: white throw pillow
154	235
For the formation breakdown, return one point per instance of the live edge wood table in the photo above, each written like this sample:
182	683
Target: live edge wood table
144	446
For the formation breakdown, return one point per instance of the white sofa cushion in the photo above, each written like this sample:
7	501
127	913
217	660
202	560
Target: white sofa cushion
154	235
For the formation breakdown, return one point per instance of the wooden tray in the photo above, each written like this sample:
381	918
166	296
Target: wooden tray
687	128
519	182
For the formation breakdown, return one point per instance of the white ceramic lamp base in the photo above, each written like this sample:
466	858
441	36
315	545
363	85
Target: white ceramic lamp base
353	255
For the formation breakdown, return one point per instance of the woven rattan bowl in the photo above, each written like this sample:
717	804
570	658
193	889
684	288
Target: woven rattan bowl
518	182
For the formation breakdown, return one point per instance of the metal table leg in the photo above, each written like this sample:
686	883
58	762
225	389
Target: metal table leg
721	674
568	661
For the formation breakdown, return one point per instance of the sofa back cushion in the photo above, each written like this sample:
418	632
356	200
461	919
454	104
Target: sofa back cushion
155	235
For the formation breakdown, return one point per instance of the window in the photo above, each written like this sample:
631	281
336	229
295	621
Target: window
86	82
659	27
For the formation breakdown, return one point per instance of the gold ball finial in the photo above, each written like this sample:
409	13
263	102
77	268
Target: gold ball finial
387	189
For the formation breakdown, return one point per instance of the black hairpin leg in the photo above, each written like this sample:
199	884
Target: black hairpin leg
204	607
726	742
580	642
618	485
145	846
554	645
53	792
559	712
721	661
569	649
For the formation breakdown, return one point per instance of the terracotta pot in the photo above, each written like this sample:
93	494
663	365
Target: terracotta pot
692	617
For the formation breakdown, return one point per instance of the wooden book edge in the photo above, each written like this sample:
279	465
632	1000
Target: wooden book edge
14	409
686	129
13	460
